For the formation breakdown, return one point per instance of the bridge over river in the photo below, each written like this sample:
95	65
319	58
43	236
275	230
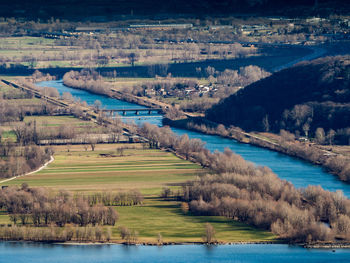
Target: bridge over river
137	111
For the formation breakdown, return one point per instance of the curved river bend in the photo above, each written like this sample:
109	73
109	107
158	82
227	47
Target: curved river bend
294	170
299	172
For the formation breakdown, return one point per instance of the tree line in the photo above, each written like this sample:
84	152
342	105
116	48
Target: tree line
128	198
41	207
261	199
16	160
310	99
255	195
55	234
12	110
287	144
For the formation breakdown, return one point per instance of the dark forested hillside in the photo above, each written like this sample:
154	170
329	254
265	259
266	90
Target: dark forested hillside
102	9
309	97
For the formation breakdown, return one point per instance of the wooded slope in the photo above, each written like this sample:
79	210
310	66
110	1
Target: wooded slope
300	99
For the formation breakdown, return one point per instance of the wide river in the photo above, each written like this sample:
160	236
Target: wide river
45	253
300	173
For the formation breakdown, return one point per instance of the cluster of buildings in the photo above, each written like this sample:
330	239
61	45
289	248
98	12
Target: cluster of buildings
197	90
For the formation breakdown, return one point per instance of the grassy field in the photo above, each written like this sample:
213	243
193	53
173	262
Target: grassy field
130	82
49	123
55	121
147	170
49	53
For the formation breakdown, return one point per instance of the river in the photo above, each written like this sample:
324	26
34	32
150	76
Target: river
299	172
47	253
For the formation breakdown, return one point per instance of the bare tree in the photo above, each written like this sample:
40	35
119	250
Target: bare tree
320	136
209	234
133	57
92	142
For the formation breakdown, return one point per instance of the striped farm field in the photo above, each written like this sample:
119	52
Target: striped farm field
148	170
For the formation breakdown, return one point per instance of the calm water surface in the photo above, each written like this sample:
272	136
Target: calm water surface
41	253
299	172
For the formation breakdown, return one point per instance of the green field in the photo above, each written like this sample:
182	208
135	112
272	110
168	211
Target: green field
149	171
144	169
49	122
120	82
55	121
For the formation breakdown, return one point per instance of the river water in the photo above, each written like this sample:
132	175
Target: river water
299	172
46	253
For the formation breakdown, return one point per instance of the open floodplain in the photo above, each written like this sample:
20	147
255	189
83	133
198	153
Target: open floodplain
88	173
108	169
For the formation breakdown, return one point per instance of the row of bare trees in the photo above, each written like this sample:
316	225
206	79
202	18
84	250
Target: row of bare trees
55	234
42	207
255	195
129	198
287	143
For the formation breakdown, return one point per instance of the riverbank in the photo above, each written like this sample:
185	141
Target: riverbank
327	245
281	163
143	243
319	245
250	253
313	245
334	163
105	170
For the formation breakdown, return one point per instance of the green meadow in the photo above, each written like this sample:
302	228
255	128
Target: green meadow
148	170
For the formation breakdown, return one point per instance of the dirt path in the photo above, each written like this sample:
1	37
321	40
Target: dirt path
37	170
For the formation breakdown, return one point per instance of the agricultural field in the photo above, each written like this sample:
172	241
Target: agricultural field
46	124
54	121
108	168
123	167
51	53
120	82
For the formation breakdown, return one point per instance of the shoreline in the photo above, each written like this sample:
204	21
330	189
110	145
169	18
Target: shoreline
243	137
320	245
251	139
169	243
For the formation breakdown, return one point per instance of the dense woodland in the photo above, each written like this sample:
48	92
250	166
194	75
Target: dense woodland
311	99
259	198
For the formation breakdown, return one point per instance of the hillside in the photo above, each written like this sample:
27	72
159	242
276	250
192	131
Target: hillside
300	99
106	9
